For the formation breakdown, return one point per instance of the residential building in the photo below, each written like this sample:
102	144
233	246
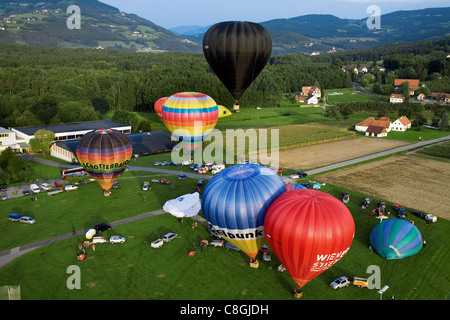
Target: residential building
311	90
401	124
413	84
396	98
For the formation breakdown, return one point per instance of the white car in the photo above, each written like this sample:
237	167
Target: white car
157	243
294	176
340	283
35	188
431	218
28	220
69	187
116	239
46	186
157	163
169	237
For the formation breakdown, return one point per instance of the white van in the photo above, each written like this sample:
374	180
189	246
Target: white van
34	188
69	187
99	240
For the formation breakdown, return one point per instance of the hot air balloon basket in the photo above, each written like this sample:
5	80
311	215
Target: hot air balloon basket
298	293
254	264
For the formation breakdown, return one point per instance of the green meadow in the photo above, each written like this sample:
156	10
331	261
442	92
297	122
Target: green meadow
135	271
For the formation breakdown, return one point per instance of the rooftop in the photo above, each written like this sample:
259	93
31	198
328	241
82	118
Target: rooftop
72	127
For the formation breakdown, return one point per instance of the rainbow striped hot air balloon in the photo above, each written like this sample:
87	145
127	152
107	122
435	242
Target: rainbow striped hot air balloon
190	116
105	154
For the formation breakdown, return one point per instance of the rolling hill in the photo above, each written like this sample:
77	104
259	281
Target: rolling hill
44	23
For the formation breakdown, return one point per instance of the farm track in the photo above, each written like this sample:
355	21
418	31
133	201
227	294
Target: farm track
7	256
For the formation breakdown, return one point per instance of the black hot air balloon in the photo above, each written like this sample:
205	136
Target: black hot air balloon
237	52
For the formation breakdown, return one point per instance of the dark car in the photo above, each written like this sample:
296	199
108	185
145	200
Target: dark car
102	227
301	174
402	213
420	214
2	188
26	192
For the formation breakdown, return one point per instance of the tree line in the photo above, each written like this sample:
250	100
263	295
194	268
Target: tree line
41	86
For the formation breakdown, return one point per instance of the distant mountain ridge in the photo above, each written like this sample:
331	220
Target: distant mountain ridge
43	23
323	32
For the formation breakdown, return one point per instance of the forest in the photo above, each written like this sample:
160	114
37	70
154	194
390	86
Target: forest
43	85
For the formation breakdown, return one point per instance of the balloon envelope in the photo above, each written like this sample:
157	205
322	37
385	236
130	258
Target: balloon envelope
190	116
237	52
396	239
187	205
235	201
105	154
159	104
223	112
292	186
309	231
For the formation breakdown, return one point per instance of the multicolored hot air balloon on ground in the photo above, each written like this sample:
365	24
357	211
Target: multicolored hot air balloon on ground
159	105
237	52
190	116
309	231
105	154
235	201
395	239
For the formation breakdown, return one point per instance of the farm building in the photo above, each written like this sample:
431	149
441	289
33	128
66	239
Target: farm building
401	124
311	99
382	122
375	131
396	98
8	140
69	131
143	144
381	127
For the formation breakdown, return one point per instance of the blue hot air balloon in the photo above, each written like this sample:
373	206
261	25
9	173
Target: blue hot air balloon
396	239
235	201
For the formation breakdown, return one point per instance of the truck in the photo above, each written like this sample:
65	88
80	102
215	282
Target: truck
14	217
360	282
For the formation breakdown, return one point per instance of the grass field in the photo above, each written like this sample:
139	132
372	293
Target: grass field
135	271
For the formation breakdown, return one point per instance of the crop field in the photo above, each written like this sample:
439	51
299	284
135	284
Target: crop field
411	181
318	155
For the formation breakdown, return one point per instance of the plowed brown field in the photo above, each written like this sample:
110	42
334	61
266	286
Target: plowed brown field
322	154
411	181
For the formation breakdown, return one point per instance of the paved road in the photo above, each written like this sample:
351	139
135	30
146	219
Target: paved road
7	256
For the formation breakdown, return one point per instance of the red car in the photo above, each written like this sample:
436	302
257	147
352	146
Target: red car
165	181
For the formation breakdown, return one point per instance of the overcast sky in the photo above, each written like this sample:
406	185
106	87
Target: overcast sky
173	13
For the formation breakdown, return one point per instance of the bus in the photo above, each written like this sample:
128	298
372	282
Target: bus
74	172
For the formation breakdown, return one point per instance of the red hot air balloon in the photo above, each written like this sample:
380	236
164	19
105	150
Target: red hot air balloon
309	231
159	105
